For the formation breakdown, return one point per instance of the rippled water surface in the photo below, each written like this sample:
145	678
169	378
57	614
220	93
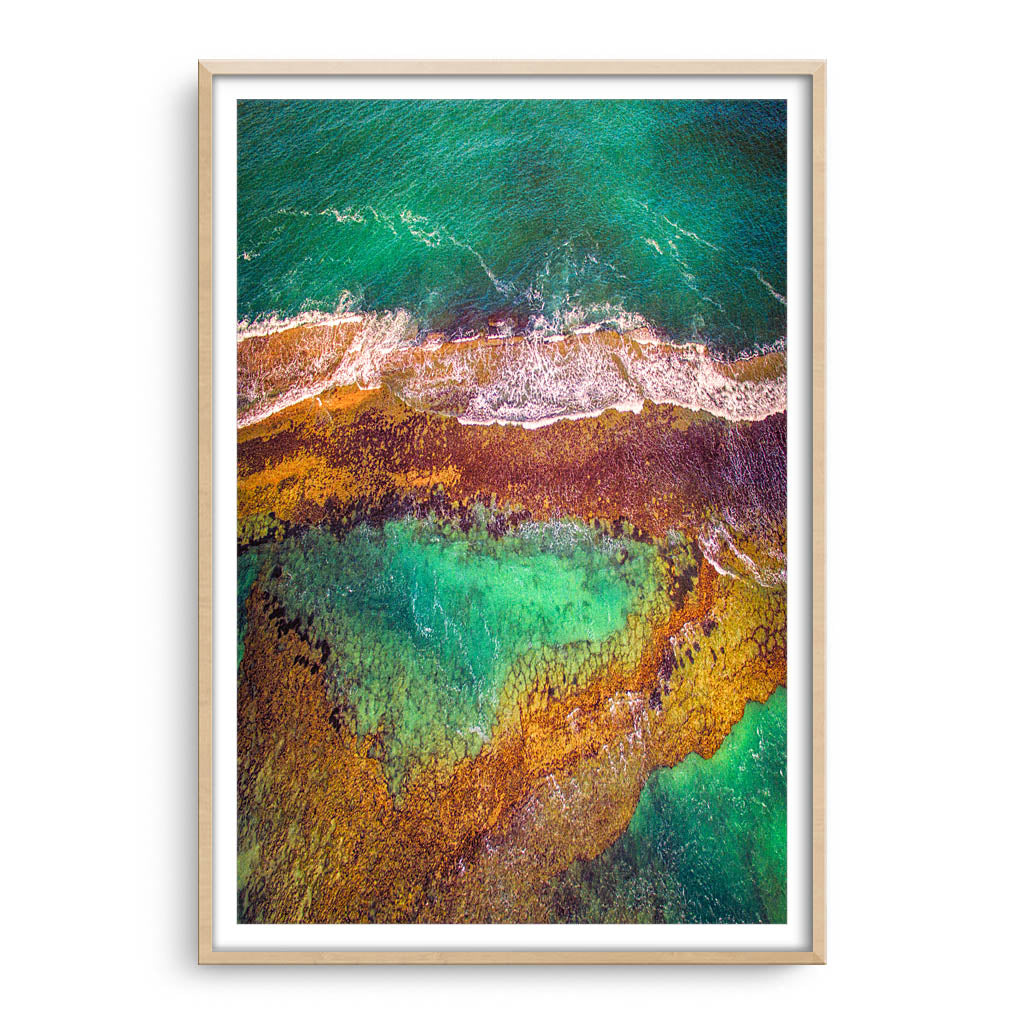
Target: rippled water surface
548	213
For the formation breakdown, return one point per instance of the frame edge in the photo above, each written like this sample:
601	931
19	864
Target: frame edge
207	69
512	67
818	321
205	487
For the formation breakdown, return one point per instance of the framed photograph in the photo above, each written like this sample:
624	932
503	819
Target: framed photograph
511	512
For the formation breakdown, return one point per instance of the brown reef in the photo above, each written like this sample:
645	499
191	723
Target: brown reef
352	452
322	835
323	839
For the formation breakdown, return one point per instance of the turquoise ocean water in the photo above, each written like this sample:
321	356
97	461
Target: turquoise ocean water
547	213
707	844
425	621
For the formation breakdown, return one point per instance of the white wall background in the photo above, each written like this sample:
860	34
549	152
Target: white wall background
98	495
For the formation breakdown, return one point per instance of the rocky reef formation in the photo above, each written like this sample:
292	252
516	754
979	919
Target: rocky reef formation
348	455
465	647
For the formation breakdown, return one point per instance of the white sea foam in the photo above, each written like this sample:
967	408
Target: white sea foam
421	228
692	235
535	383
346	216
532	381
265	326
333	351
502	287
774	294
717	540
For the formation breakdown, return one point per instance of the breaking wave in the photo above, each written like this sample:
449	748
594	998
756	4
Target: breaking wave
530	379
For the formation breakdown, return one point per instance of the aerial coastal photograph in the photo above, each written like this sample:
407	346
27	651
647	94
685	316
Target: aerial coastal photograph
511	511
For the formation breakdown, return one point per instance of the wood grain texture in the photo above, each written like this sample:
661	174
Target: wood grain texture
645	68
205	512
816	71
818	513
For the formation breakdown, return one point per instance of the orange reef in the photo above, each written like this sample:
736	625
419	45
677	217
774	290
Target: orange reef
347	452
323	838
323	835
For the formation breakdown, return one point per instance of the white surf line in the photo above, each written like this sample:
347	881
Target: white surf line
267	326
470	421
254	414
690	234
774	294
502	287
683	375
347	217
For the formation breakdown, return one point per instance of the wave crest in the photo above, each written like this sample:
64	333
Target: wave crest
530	380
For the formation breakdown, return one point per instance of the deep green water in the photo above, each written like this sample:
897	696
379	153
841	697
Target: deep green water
424	621
707	843
551	213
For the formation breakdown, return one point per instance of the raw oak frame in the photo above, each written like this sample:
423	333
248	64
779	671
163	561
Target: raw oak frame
815	70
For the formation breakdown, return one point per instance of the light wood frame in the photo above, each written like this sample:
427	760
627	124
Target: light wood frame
815	70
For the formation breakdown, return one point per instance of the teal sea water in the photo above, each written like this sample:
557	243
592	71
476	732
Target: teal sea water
425	621
544	213
707	843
